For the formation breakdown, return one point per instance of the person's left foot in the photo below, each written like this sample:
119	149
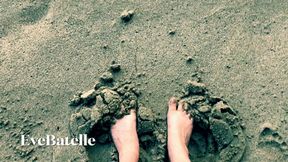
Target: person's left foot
124	134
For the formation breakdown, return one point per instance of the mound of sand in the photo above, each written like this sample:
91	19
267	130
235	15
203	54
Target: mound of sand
96	110
217	135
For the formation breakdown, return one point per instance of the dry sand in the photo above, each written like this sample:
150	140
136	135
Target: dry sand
51	49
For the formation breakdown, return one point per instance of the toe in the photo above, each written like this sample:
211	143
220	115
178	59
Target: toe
133	112
181	106
190	117
172	104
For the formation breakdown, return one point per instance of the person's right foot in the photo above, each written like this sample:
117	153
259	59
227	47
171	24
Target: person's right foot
125	138
180	127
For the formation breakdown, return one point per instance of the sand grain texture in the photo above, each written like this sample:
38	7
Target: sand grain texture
51	49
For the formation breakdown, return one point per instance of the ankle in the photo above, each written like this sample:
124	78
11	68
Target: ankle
129	153
178	152
177	148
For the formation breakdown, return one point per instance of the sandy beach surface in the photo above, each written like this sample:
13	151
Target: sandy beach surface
52	49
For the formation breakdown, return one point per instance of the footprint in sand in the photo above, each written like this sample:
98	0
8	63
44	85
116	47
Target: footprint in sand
270	137
30	13
33	12
217	133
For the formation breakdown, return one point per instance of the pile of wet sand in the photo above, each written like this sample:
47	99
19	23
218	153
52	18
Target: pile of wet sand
96	110
217	134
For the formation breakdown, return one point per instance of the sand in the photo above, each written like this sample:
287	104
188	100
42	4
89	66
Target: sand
50	50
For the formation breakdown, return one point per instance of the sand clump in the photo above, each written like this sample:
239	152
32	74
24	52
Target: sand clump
96	110
102	106
127	15
218	134
115	67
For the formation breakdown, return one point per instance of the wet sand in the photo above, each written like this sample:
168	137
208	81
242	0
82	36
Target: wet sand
50	50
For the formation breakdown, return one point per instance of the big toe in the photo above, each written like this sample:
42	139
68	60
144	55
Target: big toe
132	113
172	104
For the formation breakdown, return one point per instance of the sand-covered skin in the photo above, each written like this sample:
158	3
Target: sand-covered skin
238	48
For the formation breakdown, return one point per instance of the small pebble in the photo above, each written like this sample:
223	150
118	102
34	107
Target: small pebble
106	77
105	46
127	15
97	85
115	67
75	101
228	66
6	122
189	59
88	96
34	158
172	32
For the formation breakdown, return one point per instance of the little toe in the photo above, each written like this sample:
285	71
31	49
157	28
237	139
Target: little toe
190	117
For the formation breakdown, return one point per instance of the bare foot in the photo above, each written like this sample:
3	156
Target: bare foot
179	131
125	137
